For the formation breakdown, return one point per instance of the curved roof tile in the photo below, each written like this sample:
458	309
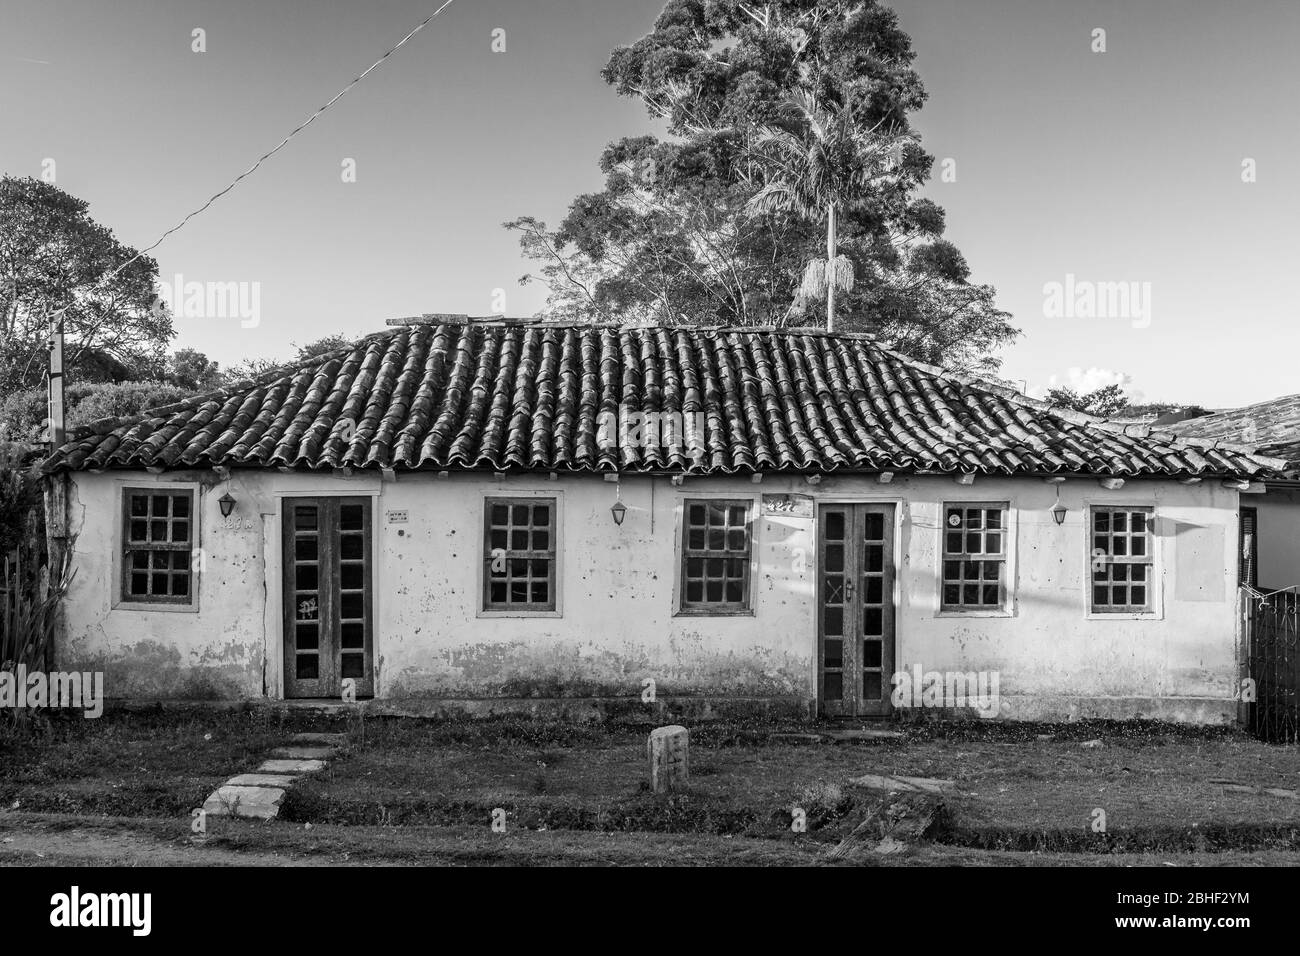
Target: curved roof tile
502	396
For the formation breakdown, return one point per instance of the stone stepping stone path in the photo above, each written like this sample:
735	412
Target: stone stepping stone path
1236	787
258	795
291	766
901	784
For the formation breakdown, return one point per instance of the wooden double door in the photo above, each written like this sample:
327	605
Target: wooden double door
855	612
328	597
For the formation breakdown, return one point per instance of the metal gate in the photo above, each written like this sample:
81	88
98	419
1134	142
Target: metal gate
1273	660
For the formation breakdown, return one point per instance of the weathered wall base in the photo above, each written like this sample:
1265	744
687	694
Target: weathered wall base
599	709
1055	709
577	709
618	624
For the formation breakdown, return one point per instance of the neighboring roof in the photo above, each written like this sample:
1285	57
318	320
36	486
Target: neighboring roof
1174	416
1272	427
533	396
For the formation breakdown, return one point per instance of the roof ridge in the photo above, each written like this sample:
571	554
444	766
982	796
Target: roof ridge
1245	408
1241	413
536	321
1127	429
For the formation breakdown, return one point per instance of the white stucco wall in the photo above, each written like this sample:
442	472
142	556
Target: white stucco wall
617	587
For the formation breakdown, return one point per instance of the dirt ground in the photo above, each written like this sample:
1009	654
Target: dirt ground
64	840
119	791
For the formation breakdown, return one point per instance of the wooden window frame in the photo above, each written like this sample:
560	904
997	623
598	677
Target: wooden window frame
705	608
129	546
551	555
1147	560
1001	557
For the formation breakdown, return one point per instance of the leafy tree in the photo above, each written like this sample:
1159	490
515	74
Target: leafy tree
246	369
23	412
670	240
122	400
20	498
326	343
675	234
191	369
256	367
1103	402
833	163
52	255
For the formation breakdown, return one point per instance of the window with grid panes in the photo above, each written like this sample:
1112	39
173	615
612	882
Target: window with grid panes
519	554
974	556
157	543
715	556
1121	560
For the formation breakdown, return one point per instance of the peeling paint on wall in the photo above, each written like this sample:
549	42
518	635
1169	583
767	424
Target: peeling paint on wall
517	669
617	589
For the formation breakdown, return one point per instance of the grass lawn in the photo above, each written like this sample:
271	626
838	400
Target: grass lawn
408	791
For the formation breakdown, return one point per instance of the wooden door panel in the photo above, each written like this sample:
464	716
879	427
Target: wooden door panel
306	561
328	596
835	626
876	610
352	585
855	609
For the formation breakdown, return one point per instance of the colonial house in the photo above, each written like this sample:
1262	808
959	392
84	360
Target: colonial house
1271	522
475	515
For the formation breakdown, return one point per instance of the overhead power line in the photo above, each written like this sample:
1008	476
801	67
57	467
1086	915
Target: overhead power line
269	153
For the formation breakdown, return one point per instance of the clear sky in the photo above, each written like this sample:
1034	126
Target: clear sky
1115	166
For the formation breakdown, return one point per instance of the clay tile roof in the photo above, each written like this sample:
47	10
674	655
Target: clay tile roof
454	394
1271	427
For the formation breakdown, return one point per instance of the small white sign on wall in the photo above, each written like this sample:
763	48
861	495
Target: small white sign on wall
788	506
395	517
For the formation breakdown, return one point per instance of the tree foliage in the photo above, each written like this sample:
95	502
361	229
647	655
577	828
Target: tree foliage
191	369
23	412
675	234
829	163
251	368
1103	402
326	343
52	255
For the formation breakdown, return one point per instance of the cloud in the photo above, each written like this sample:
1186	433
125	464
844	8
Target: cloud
1089	380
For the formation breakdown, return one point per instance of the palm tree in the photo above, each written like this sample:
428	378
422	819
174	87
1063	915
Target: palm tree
833	163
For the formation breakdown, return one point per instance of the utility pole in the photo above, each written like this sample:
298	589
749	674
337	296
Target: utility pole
57	424
56	489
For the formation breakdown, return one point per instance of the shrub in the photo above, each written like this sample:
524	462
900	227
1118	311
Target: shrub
23	412
21	508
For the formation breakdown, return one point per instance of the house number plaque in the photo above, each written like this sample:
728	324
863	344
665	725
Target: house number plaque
788	506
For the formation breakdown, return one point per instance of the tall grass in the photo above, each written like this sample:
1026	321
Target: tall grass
30	588
29	602
29	609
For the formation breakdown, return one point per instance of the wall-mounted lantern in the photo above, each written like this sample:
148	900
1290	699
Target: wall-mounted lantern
1058	512
227	505
619	511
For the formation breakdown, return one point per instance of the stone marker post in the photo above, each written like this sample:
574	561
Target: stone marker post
667	749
